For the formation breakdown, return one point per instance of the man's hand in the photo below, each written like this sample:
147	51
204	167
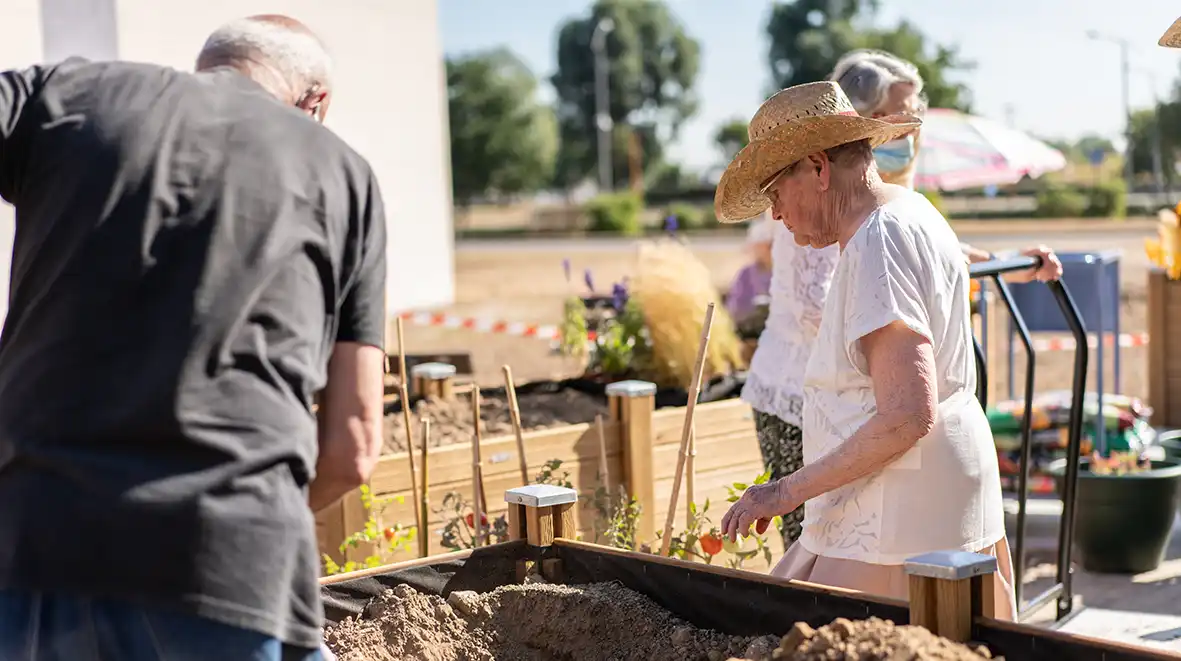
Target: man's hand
1051	268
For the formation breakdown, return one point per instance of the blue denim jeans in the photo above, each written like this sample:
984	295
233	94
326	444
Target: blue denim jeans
49	627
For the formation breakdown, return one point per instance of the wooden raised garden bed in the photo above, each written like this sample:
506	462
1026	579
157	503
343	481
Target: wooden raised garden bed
1164	349
542	596
641	446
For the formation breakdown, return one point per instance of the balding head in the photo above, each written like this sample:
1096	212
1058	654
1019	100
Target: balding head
278	52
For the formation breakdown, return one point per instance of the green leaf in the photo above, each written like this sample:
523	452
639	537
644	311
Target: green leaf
764	478
739	486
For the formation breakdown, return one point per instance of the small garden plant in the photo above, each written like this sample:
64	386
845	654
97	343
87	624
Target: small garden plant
1119	463
385	539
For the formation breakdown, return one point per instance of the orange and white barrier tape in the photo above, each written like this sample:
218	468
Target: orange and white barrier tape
440	320
549	332
1126	340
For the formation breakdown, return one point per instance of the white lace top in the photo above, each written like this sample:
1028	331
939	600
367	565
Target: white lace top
800	277
904	265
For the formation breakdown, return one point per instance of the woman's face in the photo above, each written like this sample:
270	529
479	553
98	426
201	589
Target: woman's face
897	160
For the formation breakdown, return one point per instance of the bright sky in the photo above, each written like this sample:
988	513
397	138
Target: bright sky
1033	57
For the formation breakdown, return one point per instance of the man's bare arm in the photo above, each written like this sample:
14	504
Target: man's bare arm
350	422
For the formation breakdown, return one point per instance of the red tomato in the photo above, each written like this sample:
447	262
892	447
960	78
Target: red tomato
470	519
711	544
390	533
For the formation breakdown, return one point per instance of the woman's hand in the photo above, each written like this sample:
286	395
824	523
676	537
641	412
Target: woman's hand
757	506
1051	268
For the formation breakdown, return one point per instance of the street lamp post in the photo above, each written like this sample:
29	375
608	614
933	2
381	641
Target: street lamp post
1124	76
603	123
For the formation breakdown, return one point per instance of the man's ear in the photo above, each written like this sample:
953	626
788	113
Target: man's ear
820	164
314	102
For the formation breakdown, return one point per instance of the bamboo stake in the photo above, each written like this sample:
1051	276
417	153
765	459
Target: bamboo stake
603	477
687	430
404	393
479	503
690	475
514	413
425	503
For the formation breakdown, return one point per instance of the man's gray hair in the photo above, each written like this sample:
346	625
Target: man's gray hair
298	56
867	75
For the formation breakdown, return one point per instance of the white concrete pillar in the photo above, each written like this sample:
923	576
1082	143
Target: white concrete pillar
389	104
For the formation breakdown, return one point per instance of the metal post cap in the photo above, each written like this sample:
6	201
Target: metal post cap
433	371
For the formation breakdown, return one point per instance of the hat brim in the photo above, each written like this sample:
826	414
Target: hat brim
738	197
1172	37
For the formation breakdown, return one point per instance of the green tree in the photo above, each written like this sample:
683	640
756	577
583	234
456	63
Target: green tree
652	65
731	137
809	36
503	142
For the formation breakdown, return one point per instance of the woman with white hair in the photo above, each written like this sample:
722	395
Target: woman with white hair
877	84
898	455
880	84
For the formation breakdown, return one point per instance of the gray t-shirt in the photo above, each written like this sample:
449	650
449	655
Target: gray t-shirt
187	252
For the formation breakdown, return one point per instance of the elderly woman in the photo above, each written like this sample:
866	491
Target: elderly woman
878	84
898	456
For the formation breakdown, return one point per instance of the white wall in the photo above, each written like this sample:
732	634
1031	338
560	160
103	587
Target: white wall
389	103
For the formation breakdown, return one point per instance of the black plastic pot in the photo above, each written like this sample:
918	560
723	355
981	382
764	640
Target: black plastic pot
1122	523
1171	442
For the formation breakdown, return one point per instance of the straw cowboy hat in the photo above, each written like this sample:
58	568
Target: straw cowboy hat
798	121
1172	36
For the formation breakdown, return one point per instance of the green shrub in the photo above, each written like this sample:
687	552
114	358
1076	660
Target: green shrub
615	212
1107	200
936	200
1058	201
688	216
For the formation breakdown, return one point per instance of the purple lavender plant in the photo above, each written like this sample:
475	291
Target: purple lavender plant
589	280
670	224
619	296
566	268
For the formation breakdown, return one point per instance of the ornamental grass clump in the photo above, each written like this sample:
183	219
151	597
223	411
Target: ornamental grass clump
672	289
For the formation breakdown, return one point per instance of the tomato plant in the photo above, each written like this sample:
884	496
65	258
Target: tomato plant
385	540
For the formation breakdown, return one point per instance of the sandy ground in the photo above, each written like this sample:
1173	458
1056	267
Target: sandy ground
522	281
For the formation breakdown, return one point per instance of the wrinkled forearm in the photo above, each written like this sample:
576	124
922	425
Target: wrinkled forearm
880	441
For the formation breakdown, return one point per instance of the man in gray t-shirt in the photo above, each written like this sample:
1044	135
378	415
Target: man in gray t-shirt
195	258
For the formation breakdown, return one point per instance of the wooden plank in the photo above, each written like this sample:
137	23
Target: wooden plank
393	567
1158	387
452	463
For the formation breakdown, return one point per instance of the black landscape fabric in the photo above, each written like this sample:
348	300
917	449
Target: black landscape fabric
731	605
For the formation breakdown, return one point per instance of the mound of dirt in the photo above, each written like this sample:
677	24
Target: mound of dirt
451	420
536	622
545	622
871	640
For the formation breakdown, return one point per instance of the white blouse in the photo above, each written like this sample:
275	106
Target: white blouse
800	277
904	265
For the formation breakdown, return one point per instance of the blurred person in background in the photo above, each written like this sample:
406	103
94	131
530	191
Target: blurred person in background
753	281
881	84
195	258
878	84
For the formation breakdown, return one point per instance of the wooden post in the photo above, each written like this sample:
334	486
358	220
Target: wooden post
948	589
631	405
539	514
1164	351
434	380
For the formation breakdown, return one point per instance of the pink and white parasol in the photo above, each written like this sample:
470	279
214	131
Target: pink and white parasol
964	151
